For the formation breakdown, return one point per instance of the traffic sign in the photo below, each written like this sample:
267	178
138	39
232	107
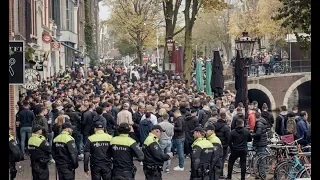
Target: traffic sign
55	46
46	38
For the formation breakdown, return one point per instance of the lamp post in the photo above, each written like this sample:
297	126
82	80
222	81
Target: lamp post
170	46
245	46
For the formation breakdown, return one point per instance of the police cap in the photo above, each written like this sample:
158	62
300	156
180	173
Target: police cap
124	126
210	127
198	129
36	128
66	125
98	125
158	127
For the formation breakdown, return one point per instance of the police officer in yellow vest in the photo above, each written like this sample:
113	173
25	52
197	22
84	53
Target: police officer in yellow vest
15	155
65	153
123	149
98	149
216	160
40	151
201	156
153	155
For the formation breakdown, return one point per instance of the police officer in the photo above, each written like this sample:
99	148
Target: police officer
123	149
15	155
40	152
65	153
201	156
216	158
153	155
97	148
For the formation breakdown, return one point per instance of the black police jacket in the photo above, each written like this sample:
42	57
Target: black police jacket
64	150
153	155
14	150
39	149
123	150
97	148
201	156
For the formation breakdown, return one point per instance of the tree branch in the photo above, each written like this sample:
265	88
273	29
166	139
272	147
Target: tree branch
179	31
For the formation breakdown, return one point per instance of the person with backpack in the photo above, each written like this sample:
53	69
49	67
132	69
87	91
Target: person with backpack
99	118
281	121
42	121
291	126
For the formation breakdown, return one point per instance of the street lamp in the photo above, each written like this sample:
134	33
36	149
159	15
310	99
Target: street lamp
245	46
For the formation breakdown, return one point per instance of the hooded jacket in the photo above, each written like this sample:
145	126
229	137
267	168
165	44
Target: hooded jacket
260	133
179	128
101	119
204	115
239	137
268	117
222	132
190	122
145	127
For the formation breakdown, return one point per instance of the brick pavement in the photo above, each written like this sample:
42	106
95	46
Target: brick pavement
25	172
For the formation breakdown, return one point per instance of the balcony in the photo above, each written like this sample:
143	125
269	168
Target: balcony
68	36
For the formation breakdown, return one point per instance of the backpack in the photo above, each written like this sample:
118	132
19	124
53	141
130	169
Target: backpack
37	120
291	126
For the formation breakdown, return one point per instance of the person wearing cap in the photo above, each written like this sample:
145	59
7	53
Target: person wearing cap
97	148
15	155
201	155
65	153
123	150
154	157
217	154
40	151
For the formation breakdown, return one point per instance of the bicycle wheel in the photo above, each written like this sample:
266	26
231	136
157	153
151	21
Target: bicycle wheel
288	69
257	162
277	69
266	167
305	173
286	171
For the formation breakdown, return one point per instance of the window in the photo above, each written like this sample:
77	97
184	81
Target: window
69	15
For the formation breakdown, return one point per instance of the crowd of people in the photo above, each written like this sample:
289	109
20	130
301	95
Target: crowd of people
107	115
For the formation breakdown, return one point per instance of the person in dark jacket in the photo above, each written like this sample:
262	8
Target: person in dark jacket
267	115
54	111
136	118
281	121
86	122
15	155
76	126
222	130
238	141
204	115
65	153
179	138
302	128
99	118
236	117
191	122
154	157
145	127
24	120
42	121
111	122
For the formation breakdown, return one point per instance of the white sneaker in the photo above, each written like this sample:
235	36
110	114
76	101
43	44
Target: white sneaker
167	170
177	168
141	163
52	161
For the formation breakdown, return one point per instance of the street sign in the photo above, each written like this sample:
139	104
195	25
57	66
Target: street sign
46	38
55	46
32	79
16	63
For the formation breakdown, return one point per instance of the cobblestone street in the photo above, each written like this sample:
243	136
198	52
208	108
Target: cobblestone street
25	172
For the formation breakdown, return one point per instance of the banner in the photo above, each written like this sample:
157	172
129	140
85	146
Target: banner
16	62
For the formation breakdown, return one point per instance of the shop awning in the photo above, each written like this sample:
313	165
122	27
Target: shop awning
66	45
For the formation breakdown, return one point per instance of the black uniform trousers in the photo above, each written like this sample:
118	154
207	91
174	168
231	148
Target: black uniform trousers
40	171
98	172
65	172
13	170
224	156
122	175
243	159
152	173
215	174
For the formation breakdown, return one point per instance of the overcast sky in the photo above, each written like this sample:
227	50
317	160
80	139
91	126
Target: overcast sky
104	12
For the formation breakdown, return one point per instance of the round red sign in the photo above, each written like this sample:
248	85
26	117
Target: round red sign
46	38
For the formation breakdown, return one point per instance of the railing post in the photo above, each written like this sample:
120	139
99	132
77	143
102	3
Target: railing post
300	65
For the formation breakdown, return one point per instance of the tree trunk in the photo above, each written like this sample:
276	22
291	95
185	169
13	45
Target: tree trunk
188	54
139	49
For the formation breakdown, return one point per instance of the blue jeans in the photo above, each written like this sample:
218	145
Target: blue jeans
50	139
79	142
23	132
262	150
179	144
166	146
